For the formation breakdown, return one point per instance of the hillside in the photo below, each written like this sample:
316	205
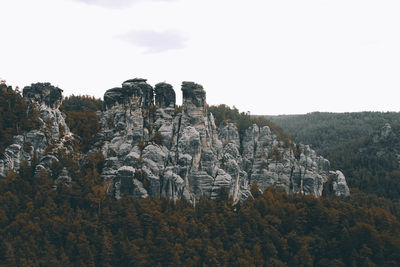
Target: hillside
372	164
364	145
325	131
137	182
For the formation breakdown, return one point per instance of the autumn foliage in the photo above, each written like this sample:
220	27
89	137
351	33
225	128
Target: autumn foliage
82	225
16	116
82	118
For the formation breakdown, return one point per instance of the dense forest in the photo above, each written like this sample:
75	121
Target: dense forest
43	225
325	131
48	224
348	140
371	164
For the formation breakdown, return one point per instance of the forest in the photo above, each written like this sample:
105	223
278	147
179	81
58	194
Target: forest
371	164
348	141
83	226
324	131
43	223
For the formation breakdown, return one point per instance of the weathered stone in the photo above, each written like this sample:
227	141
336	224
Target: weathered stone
138	190
135	93
195	158
339	184
172	185
229	134
43	142
194	102
165	95
383	133
43	93
193	93
154	153
132	159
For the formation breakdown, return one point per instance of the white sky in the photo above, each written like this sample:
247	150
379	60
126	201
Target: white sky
266	57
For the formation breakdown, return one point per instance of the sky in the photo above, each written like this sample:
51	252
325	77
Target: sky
266	57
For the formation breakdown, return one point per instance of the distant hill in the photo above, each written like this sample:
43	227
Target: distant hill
372	163
325	131
364	145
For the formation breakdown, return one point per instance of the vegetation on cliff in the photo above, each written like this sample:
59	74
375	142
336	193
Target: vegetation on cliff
82	118
224	114
16	116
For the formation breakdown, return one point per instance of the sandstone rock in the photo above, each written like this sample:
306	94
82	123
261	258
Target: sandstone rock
153	149
165	95
193	93
194	157
44	142
132	159
229	134
194	102
383	134
223	179
339	184
172	185
135	92
138	190
43	93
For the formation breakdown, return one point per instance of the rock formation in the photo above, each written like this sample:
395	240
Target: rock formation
160	150
165	95
42	144
43	93
154	148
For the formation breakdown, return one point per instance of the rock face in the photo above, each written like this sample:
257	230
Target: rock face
385	144
165	95
53	136
339	184
43	93
153	148
135	92
383	134
158	150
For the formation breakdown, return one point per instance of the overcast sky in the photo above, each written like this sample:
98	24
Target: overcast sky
266	57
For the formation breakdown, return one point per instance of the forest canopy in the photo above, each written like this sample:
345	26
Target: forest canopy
325	131
83	226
